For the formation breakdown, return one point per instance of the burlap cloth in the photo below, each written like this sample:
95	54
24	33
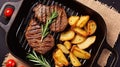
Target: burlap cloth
112	19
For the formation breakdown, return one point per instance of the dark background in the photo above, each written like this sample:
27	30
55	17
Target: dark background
4	50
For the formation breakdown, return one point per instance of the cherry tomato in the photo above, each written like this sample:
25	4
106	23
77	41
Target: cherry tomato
8	12
10	63
22	66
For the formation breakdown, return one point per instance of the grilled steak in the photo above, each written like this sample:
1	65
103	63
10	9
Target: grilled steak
43	12
33	36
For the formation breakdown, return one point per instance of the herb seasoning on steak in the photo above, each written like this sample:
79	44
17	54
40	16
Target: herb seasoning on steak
43	12
34	31
33	36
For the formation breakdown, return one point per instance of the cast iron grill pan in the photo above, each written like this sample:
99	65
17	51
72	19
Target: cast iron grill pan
21	35
17	25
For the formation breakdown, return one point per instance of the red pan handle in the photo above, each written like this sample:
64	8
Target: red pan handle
16	6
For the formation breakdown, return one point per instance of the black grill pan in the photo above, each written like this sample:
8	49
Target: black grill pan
16	27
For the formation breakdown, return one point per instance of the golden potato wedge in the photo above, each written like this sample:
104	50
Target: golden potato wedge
82	21
91	27
63	48
67	35
80	31
78	39
73	20
67	44
57	65
57	62
80	53
74	60
88	42
60	58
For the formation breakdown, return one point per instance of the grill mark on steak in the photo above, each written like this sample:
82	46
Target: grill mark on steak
53	8
33	27
38	13
37	7
63	20
30	35
33	31
47	12
33	36
56	8
56	25
60	19
43	14
45	45
59	24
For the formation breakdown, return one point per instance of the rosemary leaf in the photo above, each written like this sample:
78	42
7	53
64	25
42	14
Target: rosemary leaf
45	28
46	33
35	54
34	61
31	56
38	60
38	64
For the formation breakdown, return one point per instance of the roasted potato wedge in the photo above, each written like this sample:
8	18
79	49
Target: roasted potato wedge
88	42
82	21
91	27
57	62
63	48
57	65
80	53
78	39
80	31
67	44
73	20
60	58
74	60
67	35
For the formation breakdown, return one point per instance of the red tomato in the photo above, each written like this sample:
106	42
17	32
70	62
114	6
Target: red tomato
8	12
10	63
21	66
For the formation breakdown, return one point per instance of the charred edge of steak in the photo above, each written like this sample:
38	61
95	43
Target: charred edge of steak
43	12
33	36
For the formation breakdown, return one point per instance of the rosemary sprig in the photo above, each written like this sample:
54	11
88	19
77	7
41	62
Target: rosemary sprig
45	28
39	60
